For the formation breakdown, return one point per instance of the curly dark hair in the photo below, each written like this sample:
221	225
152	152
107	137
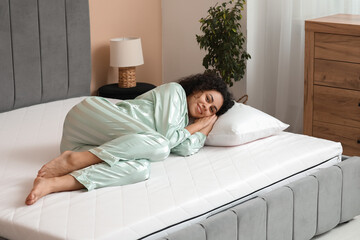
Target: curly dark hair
206	82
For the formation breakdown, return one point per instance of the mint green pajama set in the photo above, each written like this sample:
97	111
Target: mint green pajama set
129	135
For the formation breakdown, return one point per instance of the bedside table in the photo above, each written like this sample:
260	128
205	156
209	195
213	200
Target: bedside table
113	91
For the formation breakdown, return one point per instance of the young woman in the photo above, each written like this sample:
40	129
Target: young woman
110	145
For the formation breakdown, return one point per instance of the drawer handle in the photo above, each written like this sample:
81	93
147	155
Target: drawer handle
358	141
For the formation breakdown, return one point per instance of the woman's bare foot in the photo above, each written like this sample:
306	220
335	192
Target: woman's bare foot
57	167
66	163
44	186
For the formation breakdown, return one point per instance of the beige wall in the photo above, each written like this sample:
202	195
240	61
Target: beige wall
181	53
119	18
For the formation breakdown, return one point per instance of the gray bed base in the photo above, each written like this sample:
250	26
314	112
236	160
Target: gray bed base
301	210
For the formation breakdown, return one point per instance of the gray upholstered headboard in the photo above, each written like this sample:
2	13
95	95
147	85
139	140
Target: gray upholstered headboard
44	51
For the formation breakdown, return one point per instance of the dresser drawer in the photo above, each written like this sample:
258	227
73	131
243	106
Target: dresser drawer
332	80
348	136
337	74
344	48
338	106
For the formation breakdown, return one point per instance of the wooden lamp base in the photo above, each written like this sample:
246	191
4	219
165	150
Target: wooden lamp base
127	77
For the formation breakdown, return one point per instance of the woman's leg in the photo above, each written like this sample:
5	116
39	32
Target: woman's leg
68	162
122	173
44	186
146	145
152	146
91	123
94	176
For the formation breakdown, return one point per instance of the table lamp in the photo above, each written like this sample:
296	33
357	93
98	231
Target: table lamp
126	53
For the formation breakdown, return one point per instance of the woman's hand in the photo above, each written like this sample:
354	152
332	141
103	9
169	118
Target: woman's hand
203	125
206	130
206	121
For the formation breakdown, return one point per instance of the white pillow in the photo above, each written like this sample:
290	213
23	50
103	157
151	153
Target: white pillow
242	124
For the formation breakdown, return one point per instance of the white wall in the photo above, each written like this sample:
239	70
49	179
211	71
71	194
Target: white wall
181	53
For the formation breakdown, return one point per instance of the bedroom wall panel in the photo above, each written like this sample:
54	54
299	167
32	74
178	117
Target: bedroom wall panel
26	52
79	52
251	219
329	198
279	214
40	62
305	192
350	205
6	76
53	49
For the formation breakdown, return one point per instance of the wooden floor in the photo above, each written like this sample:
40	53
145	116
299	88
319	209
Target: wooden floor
346	231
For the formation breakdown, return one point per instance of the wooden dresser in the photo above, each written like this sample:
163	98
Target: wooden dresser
332	80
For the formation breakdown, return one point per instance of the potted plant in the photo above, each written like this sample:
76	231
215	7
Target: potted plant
224	42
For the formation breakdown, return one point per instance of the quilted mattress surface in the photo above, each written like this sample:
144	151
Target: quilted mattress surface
178	189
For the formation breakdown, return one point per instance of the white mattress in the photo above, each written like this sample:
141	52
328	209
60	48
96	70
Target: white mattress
179	188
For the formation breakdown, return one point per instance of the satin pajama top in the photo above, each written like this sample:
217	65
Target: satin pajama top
164	109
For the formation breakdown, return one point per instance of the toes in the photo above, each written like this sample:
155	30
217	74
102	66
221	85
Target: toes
31	199
41	170
35	192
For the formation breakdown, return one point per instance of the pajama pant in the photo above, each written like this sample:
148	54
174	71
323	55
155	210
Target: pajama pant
124	143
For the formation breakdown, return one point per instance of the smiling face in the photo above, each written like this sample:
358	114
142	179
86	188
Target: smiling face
204	103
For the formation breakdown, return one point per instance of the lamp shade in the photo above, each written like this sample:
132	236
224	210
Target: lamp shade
126	52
